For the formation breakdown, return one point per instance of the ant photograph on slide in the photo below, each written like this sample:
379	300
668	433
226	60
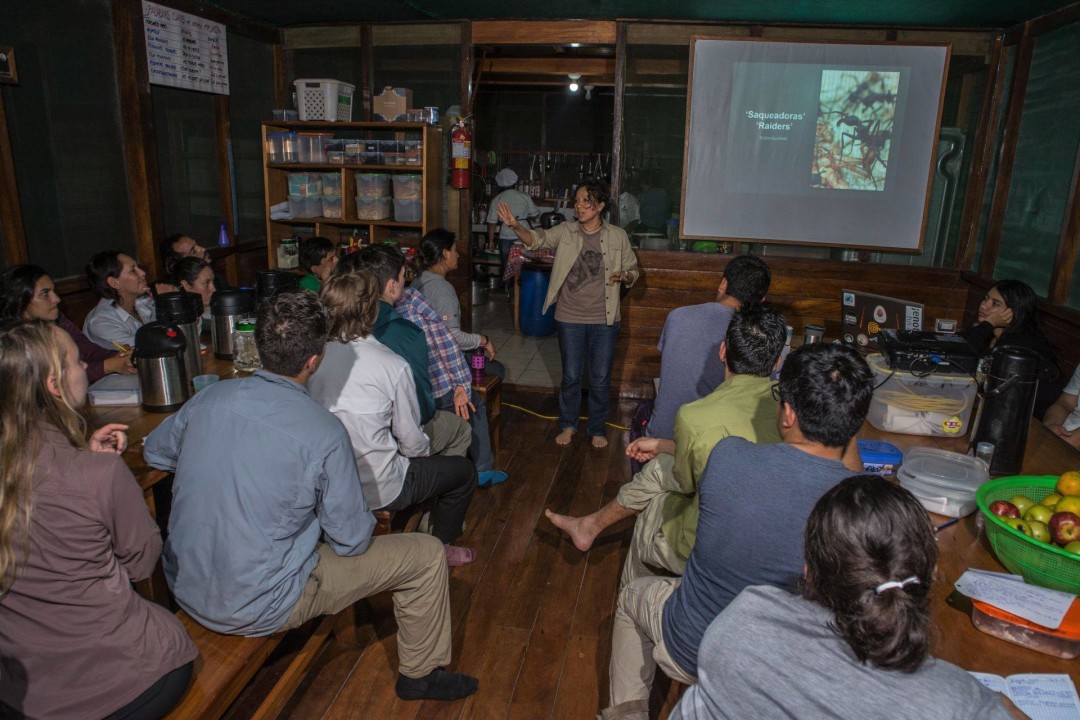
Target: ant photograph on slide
856	109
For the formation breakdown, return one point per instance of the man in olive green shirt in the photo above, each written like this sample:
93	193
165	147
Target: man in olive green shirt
664	493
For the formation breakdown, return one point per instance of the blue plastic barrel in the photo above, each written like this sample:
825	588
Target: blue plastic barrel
534	287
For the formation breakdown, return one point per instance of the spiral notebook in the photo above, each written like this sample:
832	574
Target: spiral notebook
115	389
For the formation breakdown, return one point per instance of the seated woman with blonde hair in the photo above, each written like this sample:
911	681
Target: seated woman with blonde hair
75	532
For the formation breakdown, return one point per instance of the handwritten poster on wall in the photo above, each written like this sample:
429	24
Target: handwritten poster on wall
185	51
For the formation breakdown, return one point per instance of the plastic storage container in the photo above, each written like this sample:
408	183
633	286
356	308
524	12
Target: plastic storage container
1062	642
408	210
944	482
411	154
534	286
938	405
331	183
305	206
409	187
371	207
372	185
324	99
281	147
331	206
880	457
313	146
305	184
354	151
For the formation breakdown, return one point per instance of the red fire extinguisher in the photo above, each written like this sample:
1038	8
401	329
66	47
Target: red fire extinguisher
460	156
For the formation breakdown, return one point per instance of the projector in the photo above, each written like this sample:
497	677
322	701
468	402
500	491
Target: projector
919	352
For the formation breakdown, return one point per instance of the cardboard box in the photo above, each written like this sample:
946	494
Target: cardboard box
391	105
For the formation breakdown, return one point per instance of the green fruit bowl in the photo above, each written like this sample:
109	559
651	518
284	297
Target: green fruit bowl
1037	562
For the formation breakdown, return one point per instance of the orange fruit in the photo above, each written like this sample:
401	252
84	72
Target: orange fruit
1069	483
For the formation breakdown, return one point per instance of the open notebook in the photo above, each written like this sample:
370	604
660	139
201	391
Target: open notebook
1041	697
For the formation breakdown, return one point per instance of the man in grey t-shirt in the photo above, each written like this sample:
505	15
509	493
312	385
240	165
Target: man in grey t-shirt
690	364
520	204
824	395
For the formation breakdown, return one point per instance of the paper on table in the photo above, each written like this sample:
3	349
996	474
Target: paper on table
1041	697
1039	605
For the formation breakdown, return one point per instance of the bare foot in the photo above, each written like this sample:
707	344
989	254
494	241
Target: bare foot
599	441
581	530
564	437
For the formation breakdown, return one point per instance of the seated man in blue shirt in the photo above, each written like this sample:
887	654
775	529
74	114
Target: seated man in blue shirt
753	504
269	527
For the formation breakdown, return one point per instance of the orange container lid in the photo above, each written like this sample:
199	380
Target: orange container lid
1070	624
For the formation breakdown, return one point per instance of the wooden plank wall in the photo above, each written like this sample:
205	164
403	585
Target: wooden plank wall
804	290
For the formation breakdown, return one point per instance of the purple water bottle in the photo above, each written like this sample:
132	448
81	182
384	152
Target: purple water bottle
478	362
223	235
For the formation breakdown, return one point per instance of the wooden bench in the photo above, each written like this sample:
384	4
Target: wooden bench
226	664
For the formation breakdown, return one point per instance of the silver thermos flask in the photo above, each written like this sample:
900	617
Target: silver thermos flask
226	308
160	359
184	310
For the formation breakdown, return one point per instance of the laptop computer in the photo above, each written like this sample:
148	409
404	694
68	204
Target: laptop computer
864	315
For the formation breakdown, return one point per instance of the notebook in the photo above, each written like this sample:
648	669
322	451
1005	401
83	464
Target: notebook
116	389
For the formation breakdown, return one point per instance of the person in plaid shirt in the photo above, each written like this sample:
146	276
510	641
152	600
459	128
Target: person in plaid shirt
451	381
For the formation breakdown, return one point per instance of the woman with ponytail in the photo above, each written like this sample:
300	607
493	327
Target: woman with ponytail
857	643
75	639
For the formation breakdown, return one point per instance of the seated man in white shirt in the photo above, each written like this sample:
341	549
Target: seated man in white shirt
370	389
1063	417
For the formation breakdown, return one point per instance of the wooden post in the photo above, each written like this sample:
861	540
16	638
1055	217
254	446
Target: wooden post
16	251
137	124
617	123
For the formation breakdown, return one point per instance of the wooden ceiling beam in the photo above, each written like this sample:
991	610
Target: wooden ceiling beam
550	66
543	32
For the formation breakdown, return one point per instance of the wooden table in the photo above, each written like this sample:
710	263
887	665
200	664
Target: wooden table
963	546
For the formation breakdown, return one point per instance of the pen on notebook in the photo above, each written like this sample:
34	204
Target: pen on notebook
942	526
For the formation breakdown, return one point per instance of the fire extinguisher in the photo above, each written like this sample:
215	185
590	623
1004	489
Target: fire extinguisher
460	156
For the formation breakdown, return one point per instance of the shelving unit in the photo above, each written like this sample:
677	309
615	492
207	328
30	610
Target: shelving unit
276	183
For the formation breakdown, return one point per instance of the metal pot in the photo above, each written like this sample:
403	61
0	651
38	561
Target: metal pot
159	357
549	220
479	292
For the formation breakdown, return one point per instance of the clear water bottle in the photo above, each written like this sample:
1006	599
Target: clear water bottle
222	235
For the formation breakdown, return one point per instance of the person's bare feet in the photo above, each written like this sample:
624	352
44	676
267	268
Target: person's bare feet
564	437
599	441
581	530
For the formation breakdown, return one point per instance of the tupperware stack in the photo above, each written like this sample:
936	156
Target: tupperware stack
305	195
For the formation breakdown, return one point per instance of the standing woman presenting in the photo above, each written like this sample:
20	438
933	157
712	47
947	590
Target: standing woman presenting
75	639
591	259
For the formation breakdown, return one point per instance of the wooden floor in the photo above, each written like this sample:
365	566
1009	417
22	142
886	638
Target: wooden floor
532	615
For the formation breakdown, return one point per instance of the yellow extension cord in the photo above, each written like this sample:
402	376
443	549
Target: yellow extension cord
555	417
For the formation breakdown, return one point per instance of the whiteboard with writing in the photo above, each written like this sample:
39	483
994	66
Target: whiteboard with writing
185	51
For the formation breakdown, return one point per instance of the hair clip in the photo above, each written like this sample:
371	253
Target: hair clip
896	584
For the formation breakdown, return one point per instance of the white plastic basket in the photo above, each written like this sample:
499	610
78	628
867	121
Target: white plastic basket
322	99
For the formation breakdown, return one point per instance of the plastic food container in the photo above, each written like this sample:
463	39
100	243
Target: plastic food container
305	184
313	146
936	404
407	210
408	187
944	482
1064	642
880	457
372	185
331	183
305	206
335	152
412	154
281	147
370	207
331	206
354	151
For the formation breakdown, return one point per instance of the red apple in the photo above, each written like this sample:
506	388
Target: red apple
1064	527
1004	509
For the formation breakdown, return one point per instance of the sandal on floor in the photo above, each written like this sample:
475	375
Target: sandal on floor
491	478
457	556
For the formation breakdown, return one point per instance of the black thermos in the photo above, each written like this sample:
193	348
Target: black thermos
1007	404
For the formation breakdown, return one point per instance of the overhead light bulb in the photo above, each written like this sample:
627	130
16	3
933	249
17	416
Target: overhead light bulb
573	86
574	77
588	92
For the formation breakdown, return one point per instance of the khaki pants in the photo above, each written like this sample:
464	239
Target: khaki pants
647	492
449	434
413	568
637	648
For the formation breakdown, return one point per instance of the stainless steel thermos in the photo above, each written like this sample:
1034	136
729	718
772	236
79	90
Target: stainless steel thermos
160	359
